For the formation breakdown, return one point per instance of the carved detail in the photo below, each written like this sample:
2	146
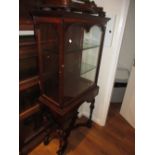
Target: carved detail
84	26
84	6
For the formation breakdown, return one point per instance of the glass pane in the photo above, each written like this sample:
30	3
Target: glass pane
50	62
27	58
81	56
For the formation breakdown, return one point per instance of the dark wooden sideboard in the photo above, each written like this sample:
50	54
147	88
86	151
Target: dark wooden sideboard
58	68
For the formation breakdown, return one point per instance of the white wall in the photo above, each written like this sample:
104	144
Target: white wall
109	61
127	52
128	105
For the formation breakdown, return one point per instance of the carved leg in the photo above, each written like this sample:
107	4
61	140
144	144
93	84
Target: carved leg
64	134
48	118
63	143
89	122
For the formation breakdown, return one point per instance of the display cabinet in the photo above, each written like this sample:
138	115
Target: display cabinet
59	68
69	50
69	47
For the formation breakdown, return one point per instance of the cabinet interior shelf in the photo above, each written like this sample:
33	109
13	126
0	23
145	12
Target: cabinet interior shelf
90	44
32	126
85	47
69	49
85	68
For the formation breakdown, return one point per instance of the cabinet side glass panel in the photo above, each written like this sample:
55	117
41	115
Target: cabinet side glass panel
81	56
50	60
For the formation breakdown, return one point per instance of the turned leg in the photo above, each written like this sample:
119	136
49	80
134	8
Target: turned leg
48	118
64	134
89	122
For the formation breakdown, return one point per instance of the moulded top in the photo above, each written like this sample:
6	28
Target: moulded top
70	6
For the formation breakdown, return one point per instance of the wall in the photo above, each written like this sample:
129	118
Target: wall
128	105
118	8
127	54
127	51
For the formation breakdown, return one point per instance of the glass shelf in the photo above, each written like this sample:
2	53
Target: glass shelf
90	44
29	40
86	46
75	49
86	68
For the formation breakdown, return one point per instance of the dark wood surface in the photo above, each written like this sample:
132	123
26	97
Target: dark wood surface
33	128
30	111
116	138
25	84
56	2
27	6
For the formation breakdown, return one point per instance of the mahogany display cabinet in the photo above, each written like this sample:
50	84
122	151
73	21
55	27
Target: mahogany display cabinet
59	69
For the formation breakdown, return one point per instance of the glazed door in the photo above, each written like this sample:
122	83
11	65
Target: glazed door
48	42
80	59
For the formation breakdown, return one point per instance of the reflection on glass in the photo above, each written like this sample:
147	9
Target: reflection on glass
81	56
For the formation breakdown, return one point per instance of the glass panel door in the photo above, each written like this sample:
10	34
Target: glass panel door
80	59
50	60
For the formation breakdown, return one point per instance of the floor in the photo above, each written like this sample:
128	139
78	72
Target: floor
116	138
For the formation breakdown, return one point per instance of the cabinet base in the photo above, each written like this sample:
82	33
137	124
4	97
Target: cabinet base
63	133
